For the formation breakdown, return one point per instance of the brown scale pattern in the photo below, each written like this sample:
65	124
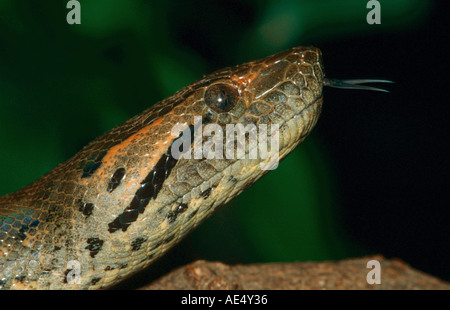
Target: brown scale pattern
123	200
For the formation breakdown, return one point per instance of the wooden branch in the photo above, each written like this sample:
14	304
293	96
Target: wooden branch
340	275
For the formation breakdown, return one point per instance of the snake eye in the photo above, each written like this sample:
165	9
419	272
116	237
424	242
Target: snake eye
221	97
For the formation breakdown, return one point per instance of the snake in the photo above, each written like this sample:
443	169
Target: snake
133	193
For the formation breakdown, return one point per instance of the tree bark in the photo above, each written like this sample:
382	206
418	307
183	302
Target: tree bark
349	274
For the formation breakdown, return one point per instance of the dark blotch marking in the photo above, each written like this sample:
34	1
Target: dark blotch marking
149	189
172	215
57	248
94	162
22	232
136	244
95	281
205	194
95	245
90	168
86	208
123	266
20	278
34	223
116	179
108	268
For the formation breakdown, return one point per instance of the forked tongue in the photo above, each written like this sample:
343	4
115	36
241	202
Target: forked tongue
355	84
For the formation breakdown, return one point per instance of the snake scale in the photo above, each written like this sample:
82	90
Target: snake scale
125	199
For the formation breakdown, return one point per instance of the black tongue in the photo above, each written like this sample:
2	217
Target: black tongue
355	84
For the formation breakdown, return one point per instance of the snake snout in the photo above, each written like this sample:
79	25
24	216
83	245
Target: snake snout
287	91
289	82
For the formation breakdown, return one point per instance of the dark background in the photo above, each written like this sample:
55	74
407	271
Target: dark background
372	178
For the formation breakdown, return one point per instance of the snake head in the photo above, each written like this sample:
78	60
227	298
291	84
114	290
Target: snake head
283	92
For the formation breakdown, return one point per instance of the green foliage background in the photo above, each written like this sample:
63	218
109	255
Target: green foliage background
63	85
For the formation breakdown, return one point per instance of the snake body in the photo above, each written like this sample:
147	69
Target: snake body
124	199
